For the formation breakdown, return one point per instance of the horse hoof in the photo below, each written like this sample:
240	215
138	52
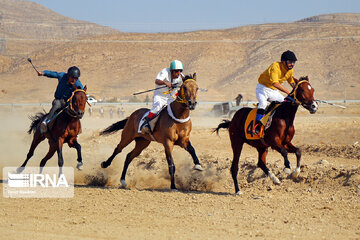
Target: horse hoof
104	165
198	167
79	166
295	173
274	179
174	190
287	171
19	170
123	183
238	193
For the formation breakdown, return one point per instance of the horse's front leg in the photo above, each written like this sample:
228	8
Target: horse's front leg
77	146
60	155
282	150
168	149
262	164
190	149
292	149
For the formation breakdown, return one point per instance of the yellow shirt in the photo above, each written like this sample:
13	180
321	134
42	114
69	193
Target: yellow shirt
276	73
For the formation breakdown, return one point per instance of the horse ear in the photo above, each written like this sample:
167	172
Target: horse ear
85	88
296	80
194	76
307	78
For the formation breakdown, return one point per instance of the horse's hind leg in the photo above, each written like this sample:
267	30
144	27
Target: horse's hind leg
125	140
35	142
191	150
140	145
237	146
52	150
262	164
292	149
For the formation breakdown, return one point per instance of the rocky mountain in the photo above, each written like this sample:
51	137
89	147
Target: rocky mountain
227	61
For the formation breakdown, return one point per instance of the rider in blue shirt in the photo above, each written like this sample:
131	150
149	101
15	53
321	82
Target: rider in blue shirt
68	83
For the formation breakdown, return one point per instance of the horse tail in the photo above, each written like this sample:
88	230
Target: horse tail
114	127
35	120
224	124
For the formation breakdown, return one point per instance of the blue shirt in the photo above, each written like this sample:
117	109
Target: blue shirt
63	90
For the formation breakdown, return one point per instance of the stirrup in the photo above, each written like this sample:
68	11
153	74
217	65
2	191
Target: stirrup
145	127
43	127
257	129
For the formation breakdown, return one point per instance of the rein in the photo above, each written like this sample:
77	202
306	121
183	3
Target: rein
181	97
294	99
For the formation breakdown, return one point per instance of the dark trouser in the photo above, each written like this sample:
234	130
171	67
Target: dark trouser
56	105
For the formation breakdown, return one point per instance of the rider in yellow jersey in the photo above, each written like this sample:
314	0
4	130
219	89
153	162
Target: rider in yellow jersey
270	81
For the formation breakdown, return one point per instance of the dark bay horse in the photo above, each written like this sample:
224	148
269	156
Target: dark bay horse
169	130
65	129
278	136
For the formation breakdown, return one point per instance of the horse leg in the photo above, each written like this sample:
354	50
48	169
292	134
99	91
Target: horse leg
237	145
140	145
292	149
168	149
190	149
38	138
262	164
52	150
60	155
77	146
125	140
282	150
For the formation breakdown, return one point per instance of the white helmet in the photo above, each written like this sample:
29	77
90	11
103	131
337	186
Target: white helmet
176	65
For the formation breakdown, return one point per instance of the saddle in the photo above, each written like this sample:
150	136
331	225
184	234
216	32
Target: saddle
266	122
56	114
152	122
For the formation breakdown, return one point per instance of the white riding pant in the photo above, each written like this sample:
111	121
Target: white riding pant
265	95
159	102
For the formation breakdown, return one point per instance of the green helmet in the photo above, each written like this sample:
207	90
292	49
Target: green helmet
176	65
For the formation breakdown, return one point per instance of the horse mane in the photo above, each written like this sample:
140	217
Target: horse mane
188	77
35	120
303	78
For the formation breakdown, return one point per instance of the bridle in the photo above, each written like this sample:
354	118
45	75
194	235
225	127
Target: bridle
70	110
297	101
181	96
312	106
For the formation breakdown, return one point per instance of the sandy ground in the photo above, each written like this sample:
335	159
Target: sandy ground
322	203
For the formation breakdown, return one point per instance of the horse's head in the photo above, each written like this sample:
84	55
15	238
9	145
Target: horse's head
77	103
188	91
303	94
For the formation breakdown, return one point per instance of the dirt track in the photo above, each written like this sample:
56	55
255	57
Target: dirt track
322	203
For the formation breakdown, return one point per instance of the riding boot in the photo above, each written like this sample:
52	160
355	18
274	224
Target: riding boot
43	125
259	115
146	125
257	127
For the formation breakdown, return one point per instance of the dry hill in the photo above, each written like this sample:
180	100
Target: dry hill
227	61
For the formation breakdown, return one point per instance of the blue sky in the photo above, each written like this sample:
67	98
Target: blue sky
189	15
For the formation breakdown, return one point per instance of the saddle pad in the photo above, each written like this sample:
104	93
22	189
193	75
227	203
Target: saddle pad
152	121
249	126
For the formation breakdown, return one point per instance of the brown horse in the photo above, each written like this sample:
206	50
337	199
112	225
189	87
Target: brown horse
169	130
65	129
278	136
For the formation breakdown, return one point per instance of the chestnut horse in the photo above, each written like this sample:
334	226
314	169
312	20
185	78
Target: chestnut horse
65	129
169	130
278	136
